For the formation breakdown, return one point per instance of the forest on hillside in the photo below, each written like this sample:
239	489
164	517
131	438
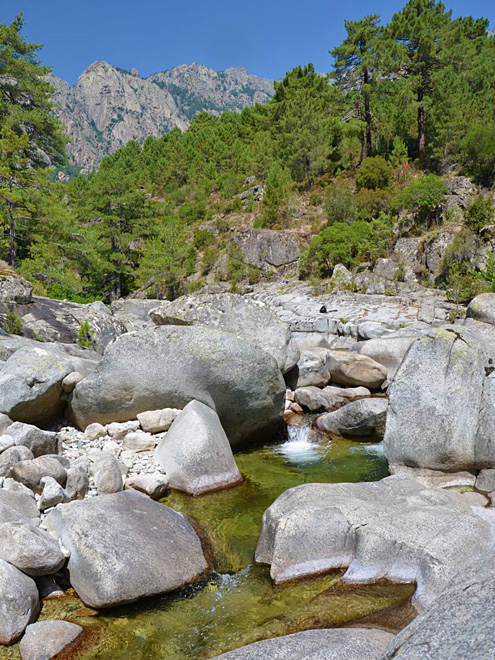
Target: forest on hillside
364	147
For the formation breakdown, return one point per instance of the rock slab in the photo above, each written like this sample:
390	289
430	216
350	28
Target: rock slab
334	644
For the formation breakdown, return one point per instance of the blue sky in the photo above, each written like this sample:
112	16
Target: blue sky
268	37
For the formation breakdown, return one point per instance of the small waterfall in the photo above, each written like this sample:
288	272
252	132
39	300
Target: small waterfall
298	447
299	433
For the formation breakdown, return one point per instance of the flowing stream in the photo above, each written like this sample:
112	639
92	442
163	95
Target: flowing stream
238	604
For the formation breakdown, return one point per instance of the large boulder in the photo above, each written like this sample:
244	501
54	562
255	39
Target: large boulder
39	442
377	530
311	369
21	501
268	249
11	456
13	288
329	398
19	602
168	366
335	644
459	624
388	351
60	321
45	640
247	318
353	369
359	419
30	549
196	453
31	382
125	546
435	400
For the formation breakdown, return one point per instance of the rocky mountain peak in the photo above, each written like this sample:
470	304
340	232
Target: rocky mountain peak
109	106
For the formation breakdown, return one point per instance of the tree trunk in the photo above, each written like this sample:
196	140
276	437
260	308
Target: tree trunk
12	232
367	118
13	247
421	127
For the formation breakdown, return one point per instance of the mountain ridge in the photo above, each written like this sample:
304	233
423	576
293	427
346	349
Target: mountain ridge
108	106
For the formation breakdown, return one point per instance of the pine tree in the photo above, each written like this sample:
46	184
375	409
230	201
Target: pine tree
355	65
414	51
31	139
305	124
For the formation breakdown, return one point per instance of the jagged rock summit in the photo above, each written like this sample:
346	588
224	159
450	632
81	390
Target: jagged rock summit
109	106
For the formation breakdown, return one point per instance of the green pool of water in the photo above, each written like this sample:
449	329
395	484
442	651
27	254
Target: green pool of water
238	604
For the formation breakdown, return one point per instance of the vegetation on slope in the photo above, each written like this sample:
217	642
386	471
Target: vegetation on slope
341	158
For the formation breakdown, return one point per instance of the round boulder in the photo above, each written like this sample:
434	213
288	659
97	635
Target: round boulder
168	366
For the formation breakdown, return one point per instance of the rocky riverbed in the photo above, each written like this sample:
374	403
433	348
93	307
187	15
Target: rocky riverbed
101	452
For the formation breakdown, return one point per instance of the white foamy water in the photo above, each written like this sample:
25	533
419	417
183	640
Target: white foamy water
299	448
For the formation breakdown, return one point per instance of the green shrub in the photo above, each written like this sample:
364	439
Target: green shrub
348	244
423	196
202	238
370	203
340	205
85	335
12	323
479	149
373	174
479	214
210	258
275	204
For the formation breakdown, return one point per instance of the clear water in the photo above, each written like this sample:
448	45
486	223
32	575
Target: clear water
238	604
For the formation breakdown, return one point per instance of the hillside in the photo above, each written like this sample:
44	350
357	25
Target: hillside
109	106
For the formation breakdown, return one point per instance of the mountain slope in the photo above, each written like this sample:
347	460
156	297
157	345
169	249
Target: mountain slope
107	106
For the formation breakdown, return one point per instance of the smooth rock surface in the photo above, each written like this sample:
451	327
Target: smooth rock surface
138	441
388	351
37	441
108	476
157	421
359	419
30	549
311	369
125	546
153	485
435	398
482	308
353	369
10	457
376	530
19	602
458	625
52	494
169	366
31	473
196	454
244	317
77	483
333	644
31	382
435	478
44	640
